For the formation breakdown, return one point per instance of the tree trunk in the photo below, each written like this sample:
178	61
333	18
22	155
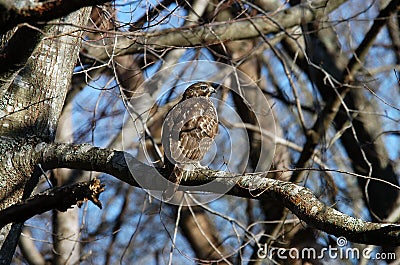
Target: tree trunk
32	99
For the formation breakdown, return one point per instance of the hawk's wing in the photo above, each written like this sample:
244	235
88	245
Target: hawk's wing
196	137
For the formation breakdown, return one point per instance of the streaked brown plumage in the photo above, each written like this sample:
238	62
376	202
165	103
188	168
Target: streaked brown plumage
188	132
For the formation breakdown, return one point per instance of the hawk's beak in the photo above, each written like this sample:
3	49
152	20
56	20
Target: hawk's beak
214	86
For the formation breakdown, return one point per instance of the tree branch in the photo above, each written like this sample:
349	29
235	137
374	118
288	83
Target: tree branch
209	34
16	53
16	12
328	114
58	198
300	200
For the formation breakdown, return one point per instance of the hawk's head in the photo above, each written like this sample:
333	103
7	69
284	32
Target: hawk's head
200	89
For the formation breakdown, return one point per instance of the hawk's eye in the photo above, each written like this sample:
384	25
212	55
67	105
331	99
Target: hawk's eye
203	87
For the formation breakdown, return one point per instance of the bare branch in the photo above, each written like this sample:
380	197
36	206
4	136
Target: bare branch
300	200
61	199
214	33
332	107
380	21
29	249
16	12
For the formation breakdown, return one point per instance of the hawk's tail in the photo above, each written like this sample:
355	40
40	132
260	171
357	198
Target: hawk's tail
173	184
173	180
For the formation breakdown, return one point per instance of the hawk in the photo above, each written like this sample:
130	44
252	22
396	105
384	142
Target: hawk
188	132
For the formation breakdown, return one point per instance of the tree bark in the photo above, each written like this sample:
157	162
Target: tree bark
32	100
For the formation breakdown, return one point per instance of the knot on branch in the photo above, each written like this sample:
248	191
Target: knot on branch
96	188
79	193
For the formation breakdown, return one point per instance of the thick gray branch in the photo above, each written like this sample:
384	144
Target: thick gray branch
299	200
213	33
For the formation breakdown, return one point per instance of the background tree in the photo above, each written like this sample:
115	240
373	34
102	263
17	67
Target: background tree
69	73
